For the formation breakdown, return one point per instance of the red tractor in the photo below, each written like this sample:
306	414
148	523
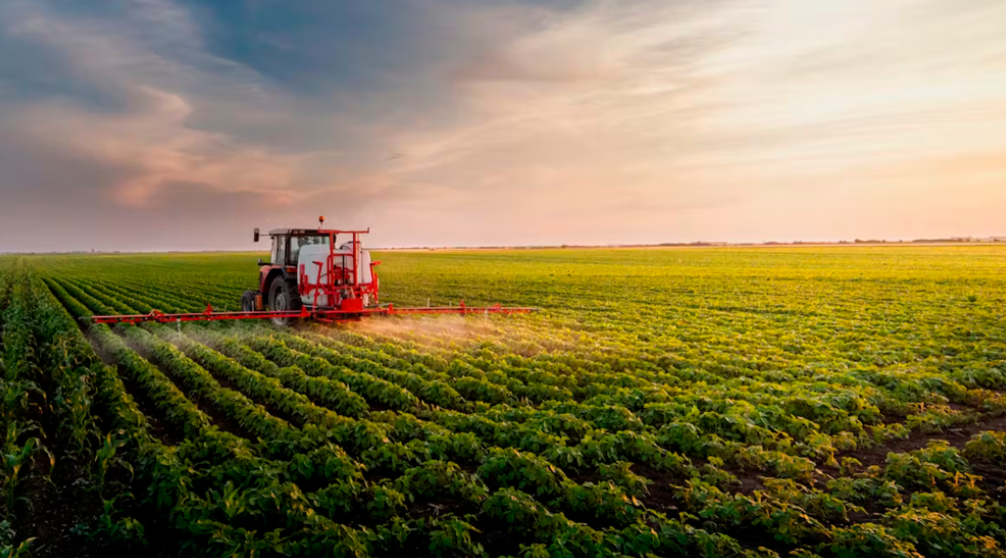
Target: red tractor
310	268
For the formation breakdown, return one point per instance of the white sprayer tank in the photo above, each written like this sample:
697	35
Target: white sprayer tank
313	253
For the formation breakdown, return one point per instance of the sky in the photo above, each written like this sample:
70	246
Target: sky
184	124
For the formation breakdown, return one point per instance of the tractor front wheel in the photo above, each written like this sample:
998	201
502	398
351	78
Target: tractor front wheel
283	297
248	301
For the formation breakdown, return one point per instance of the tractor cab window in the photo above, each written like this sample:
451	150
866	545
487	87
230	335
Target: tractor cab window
298	242
279	250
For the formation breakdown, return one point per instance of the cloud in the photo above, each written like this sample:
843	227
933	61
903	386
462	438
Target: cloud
562	50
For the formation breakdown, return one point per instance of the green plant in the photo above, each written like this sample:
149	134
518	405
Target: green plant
9	546
987	446
453	537
110	531
868	540
105	457
385	502
621	474
18	451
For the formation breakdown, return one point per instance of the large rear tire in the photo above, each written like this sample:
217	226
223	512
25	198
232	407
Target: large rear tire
283	297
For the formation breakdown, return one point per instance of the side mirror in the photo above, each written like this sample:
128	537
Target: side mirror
260	262
256	235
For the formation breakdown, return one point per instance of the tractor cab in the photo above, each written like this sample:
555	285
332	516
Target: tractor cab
287	243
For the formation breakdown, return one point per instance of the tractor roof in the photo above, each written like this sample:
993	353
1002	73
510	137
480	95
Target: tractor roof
278	232
312	232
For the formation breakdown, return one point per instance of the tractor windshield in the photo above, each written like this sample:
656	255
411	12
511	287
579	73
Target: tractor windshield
278	250
298	242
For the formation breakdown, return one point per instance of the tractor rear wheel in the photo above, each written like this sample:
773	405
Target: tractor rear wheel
283	297
248	301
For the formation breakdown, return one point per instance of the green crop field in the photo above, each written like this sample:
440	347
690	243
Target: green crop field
802	401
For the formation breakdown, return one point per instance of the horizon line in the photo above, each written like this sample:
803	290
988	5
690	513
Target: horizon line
963	240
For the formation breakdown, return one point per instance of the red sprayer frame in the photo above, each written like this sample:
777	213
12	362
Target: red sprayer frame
343	284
